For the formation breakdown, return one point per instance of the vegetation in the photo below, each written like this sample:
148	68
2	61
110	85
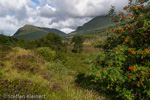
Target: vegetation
78	44
96	22
40	68
54	41
33	75
47	53
123	67
47	67
6	40
96	26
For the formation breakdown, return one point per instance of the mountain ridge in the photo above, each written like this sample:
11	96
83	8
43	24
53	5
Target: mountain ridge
31	32
94	26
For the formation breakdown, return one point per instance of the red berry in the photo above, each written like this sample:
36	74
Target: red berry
125	7
141	2
146	33
147	52
126	40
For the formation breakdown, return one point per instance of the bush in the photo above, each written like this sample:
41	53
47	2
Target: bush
124	66
47	53
78	44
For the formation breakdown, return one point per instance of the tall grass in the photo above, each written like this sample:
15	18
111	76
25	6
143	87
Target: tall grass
27	73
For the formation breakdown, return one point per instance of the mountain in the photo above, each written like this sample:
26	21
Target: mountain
98	21
53	31
30	32
94	26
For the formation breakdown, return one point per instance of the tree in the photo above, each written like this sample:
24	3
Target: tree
124	67
54	41
78	43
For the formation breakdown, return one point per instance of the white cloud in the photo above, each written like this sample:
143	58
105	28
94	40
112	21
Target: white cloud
65	15
7	24
67	30
52	8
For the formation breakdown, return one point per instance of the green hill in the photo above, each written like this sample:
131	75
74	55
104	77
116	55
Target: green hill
96	22
53	31
30	32
94	26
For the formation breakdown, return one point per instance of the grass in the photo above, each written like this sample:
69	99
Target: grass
25	72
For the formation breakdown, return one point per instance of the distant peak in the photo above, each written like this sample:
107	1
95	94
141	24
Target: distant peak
29	25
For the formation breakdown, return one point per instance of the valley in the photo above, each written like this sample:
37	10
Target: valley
108	58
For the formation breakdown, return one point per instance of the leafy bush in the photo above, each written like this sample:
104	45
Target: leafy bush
78	44
54	41
124	66
47	53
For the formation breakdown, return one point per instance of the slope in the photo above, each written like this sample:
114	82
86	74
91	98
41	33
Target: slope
30	32
94	26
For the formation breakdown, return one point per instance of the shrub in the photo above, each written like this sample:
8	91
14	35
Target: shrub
47	53
78	44
124	66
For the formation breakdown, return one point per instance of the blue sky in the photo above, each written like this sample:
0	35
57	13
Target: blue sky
36	1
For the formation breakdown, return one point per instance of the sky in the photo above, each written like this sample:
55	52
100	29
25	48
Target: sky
65	15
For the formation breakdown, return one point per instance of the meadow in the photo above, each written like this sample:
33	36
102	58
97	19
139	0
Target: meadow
25	72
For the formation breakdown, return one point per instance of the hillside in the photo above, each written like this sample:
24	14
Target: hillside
94	26
30	32
96	22
53	31
35	73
